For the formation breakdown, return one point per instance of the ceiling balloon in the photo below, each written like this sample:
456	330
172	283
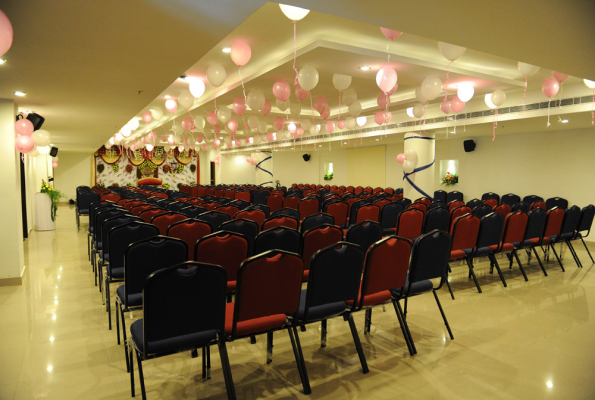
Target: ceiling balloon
386	78
240	53
216	75
341	82
451	51
308	78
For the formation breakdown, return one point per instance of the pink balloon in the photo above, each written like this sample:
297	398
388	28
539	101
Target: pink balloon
187	124
560	77
445	107
55	164
216	142
383	100
320	104
326	113
550	87
24	127
212	117
215	147
6	33
240	53
204	147
390	33
144	140
249	159
266	108
278	123
217	129
281	90
401	158
24	144
341	124
247	140
300	131
147	117
294	134
330	126
379	117
233	125
300	93
171	105
200	138
386	78
239	106
456	104
271	136
393	90
388	116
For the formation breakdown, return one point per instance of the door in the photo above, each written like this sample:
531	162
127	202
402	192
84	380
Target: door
212	173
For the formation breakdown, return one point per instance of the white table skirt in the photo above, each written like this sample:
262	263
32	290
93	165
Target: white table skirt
43	213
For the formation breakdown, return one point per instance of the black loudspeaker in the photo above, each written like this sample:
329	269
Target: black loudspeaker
306	157
469	146
37	120
54	152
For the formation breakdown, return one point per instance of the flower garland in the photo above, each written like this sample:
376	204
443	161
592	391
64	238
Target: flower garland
129	168
450	179
54	195
115	167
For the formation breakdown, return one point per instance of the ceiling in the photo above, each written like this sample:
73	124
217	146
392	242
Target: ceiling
89	67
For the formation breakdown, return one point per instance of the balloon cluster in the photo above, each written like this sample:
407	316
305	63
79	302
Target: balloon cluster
29	141
408	159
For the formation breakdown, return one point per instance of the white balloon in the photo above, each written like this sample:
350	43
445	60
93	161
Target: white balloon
176	128
498	97
411	155
224	114
133	124
126	130
281	105
314	129
197	87
408	166
253	121
465	92
410	112
419	96
293	13
41	138
199	123
431	87
295	109
590	84
263	127
46	149
350	123
451	51
216	75
156	113
341	82
166	148
488	100
33	153
185	99
306	124
349	97
255	99
527	69
355	109
308	78
418	110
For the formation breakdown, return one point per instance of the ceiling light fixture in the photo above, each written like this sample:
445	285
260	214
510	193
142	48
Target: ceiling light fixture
17	93
564	121
2	61
226	50
365	67
167	96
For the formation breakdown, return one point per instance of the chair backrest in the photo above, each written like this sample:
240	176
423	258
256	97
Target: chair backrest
535	224
230	194
163	221
440	195
110	196
316	220
275	202
149	255
514	227
241	204
368	212
292	212
268	284
228	209
429	257
492	203
386	265
335	276
553	224
490	230
280	238
482	210
474	203
572	217
436	218
410	223
437	204
214	218
454	195
84	199
521	206
556	202
424	200
464	232
381	203
364	234
102	214
510	199
227	249
454	204
586	220
537	204
503	209
176	206
291	202
192	211
121	236
181	300
490	196
246	227
147	215
129	205
307	207
252	214
112	222
190	231
456	213
245	196
532	199
389	214
316	239
339	210
262	207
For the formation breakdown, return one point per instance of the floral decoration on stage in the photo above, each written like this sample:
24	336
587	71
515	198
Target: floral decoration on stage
54	195
449	179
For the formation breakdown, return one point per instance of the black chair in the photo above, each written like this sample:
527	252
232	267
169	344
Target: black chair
436	218
404	202
102	214
364	234
437	204
583	224
556	202
262	207
141	259
241	204
214	218
84	199
481	211
260	197
440	195
511	199
278	238
534	230
246	227
287	211
176	206
184	309
474	203
454	195
316	220
530	199
490	195
488	241
388	217
521	206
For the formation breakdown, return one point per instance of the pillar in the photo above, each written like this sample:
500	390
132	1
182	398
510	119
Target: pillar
264	170
425	145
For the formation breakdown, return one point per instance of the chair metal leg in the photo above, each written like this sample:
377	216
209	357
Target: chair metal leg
551	245
117	320
442	312
574	255
208	348
472	273
140	374
404	328
358	344
323	333
299	359
231	393
539	261
269	347
108	304
89	247
368	321
520	265
586	248
495	264
124	340
449	288
204	363
131	370
252	339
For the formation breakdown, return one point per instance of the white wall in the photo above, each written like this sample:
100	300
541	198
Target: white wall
74	169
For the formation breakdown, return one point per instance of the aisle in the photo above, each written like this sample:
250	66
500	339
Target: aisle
509	342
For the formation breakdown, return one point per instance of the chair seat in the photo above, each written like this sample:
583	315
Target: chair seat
388	231
231	286
306	274
98	245
318	313
416	288
505	247
115	273
252	326
483	251
171	345
373	299
104	258
134	300
567	235
84	211
90	229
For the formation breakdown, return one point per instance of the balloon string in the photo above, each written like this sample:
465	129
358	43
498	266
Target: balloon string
339	117
215	98
593	109
447	80
560	101
425	109
243	88
548	113
295	52
387	53
312	107
524	94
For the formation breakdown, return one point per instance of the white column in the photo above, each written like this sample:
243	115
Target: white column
425	146
262	176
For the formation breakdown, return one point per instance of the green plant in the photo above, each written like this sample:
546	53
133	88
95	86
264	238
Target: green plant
328	176
100	168
165	186
449	179
101	184
179	185
192	168
192	183
115	184
116	167
180	168
129	184
54	195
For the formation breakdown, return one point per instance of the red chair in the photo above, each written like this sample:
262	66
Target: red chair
307	192
358	190
410	223
280	220
148	215
229	210
369	212
424	200
389	190
226	249
381	203
190	231
339	210
275	202
110	197
464	236
278	192
420	206
553	227
210	191
538	204
308	207
230	194
136	210
502	209
121	202
257	216
194	191
201	191
195	202
291	202
491	202
219	193
163	221
129	205
514	231
369	189
316	239
456	213
454	204
210	205
350	189
378	190
159	196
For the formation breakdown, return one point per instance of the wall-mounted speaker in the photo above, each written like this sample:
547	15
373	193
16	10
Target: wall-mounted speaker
469	146
306	157
54	152
37	120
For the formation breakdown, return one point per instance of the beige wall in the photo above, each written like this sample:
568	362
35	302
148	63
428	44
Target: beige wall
73	170
366	166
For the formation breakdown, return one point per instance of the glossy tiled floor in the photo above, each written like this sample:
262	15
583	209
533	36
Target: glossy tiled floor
532	340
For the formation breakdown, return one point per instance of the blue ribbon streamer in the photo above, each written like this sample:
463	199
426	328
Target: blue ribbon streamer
262	169
418	169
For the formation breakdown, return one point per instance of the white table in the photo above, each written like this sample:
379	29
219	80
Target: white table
43	213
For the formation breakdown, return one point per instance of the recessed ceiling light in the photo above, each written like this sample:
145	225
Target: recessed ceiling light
377	139
51	144
17	93
564	121
452	132
365	67
226	50
167	96
2	61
